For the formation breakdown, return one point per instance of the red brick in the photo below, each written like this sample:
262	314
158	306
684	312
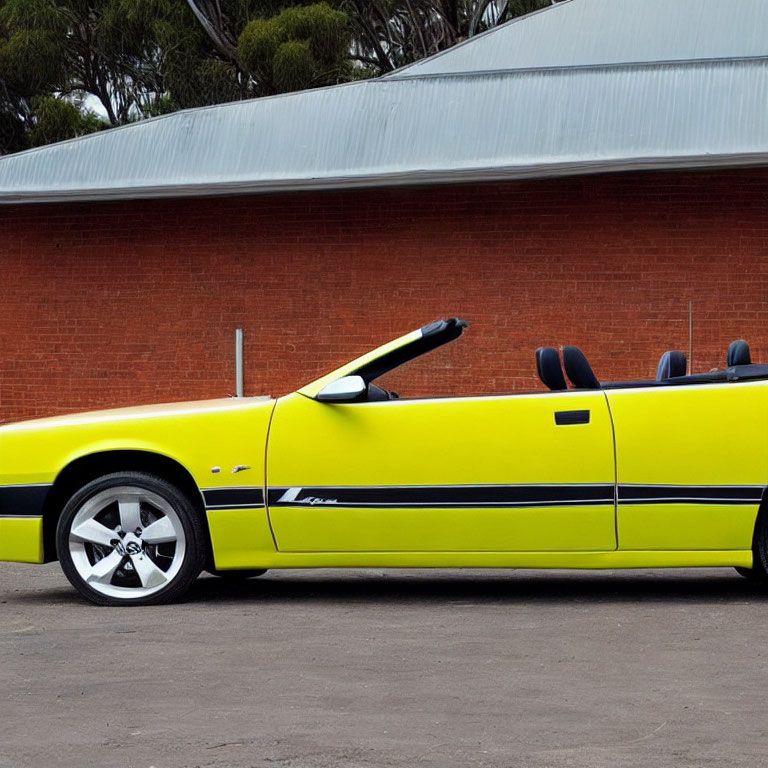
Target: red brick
107	304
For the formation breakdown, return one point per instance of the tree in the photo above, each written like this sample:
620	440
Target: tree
274	46
103	49
28	67
392	33
140	58
56	120
192	69
301	47
213	51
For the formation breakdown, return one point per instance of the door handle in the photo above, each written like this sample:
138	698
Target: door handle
563	418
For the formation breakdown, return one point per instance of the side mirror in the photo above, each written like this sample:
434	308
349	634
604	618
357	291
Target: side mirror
347	388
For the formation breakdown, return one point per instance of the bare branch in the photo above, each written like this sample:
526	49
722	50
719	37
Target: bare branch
209	14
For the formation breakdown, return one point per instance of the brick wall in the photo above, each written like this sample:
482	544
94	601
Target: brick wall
120	303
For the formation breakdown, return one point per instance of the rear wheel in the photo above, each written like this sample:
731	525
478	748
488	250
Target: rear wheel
759	570
130	539
753	574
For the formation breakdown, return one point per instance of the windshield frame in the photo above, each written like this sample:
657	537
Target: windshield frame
393	354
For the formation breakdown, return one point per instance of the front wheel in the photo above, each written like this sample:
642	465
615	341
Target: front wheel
130	539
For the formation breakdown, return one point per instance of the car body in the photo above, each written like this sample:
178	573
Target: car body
669	473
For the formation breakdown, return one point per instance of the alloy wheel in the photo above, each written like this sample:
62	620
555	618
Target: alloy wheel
127	542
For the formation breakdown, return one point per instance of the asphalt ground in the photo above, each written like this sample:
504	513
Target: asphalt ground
390	668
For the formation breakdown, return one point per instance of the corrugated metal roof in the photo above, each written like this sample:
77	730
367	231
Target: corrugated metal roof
594	32
493	122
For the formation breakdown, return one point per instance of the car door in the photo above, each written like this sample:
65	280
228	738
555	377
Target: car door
692	465
511	473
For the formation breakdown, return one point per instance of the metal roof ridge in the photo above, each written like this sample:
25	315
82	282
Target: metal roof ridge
395	74
582	67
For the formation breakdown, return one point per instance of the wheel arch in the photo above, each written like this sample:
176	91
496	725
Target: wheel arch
86	468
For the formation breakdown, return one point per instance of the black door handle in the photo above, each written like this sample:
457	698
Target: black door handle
563	418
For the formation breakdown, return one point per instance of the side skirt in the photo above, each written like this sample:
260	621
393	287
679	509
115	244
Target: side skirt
578	560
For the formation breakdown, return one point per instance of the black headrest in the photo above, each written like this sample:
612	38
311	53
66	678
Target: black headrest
738	353
549	368
578	369
672	363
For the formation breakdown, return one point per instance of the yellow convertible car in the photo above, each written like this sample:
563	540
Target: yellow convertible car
136	502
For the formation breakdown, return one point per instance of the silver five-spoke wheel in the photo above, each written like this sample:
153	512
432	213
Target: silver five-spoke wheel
129	538
127	541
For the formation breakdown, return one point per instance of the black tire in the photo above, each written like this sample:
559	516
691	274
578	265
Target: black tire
753	574
145	499
759	570
240	575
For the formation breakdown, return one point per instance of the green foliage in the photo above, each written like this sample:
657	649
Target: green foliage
301	47
11	131
294	66
30	61
57	120
257	46
34	14
102	47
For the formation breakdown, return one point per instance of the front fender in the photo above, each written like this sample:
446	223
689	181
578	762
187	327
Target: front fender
209	440
222	434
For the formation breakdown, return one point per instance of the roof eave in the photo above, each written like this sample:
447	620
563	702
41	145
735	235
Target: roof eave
374	181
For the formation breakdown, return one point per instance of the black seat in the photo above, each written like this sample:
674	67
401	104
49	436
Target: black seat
549	368
739	354
672	363
578	369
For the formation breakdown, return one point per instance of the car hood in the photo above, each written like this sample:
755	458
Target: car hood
137	413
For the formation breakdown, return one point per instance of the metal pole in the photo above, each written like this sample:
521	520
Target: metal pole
239	361
690	337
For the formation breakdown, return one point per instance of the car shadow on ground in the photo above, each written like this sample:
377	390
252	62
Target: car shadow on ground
515	587
451	587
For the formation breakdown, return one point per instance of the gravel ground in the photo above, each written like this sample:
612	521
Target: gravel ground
389	668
